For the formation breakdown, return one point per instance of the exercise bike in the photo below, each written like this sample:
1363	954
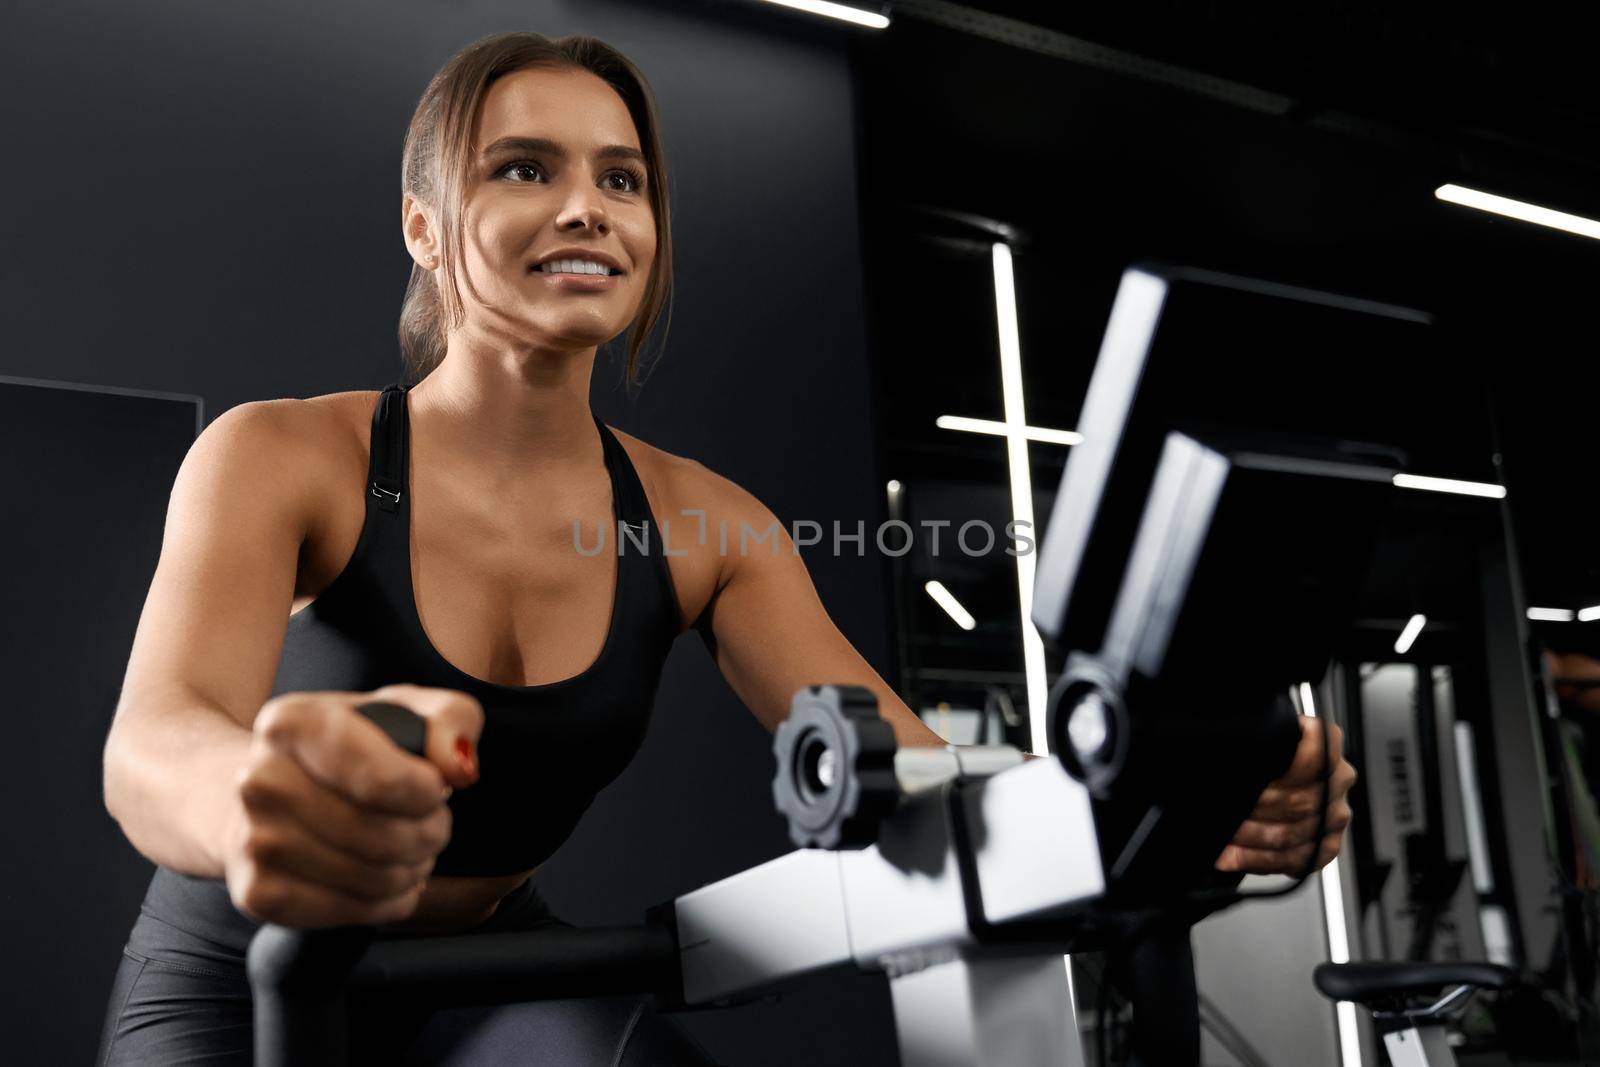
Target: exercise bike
965	874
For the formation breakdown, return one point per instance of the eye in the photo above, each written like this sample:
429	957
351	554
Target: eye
629	178
522	165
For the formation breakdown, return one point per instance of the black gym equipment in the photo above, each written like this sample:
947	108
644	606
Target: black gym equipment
1412	1002
1183	580
302	980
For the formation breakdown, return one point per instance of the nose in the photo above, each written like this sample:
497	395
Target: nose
584	210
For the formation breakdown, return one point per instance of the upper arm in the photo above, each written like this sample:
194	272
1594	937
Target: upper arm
213	621
766	627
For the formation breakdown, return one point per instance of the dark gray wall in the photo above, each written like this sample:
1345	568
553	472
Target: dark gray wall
80	549
203	199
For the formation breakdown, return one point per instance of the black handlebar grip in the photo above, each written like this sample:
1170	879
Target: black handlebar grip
297	977
407	729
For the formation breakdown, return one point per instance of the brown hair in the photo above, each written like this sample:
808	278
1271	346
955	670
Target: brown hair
437	163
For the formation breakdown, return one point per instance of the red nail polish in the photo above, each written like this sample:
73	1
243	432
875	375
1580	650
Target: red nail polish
464	756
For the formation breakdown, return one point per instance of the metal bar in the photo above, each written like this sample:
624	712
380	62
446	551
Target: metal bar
998	1011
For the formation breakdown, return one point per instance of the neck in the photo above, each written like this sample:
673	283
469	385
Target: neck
509	409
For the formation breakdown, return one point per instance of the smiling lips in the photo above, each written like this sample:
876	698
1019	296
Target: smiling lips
583	283
576	266
578	274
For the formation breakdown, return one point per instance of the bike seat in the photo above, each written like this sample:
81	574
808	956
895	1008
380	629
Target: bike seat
1382	984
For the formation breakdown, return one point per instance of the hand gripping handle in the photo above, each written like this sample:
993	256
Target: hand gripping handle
297	977
405	727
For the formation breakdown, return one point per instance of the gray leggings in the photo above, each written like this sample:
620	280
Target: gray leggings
179	998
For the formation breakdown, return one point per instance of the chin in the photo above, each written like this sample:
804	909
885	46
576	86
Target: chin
574	335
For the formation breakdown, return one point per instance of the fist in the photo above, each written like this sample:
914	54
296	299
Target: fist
332	822
1280	835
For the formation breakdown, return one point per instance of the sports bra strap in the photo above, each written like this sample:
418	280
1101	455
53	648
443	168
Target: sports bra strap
632	506
386	472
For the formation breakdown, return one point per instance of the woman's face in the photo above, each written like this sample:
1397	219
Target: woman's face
557	175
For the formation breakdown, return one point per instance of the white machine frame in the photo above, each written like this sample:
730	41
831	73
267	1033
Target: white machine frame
906	906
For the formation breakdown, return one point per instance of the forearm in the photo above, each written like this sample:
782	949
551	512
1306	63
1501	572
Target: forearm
909	729
170	768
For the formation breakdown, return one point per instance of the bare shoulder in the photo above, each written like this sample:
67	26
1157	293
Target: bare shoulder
694	505
348	413
680	484
314	450
273	432
340	426
291	437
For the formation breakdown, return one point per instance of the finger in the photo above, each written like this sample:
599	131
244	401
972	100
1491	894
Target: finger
1263	860
1287	803
279	786
350	753
1329	850
1307	763
1342	780
1291	803
267	897
455	724
278	849
1275	861
1275	836
284	848
1253	833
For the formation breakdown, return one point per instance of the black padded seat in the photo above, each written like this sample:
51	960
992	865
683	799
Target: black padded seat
1382	984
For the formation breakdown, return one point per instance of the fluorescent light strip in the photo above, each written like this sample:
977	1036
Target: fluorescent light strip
1551	615
1339	952
870	19
1408	636
1338	932
1517	209
1000	429
1589	614
1016	431
1496	934
1450	485
1005	305
1472	808
952	607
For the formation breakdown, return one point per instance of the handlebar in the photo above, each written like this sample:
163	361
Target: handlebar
301	979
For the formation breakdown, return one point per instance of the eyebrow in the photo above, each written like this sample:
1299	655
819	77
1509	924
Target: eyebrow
551	148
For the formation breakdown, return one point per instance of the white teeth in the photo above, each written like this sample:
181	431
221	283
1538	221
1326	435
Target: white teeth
574	266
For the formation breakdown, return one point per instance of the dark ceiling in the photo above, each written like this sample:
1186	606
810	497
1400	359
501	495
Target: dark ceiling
1514	78
1267	140
1098	135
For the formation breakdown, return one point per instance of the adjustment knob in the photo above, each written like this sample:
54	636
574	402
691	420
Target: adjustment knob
1088	724
835	779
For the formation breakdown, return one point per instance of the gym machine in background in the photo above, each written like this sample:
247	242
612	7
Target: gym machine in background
84	473
1279	379
1203	560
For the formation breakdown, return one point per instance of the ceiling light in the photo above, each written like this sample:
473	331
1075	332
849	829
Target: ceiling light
1516	209
946	600
1408	636
1551	614
1000	429
872	20
1450	485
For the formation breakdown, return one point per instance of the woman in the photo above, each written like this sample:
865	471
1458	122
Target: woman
420	543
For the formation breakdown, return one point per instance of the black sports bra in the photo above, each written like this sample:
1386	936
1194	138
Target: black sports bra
546	750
